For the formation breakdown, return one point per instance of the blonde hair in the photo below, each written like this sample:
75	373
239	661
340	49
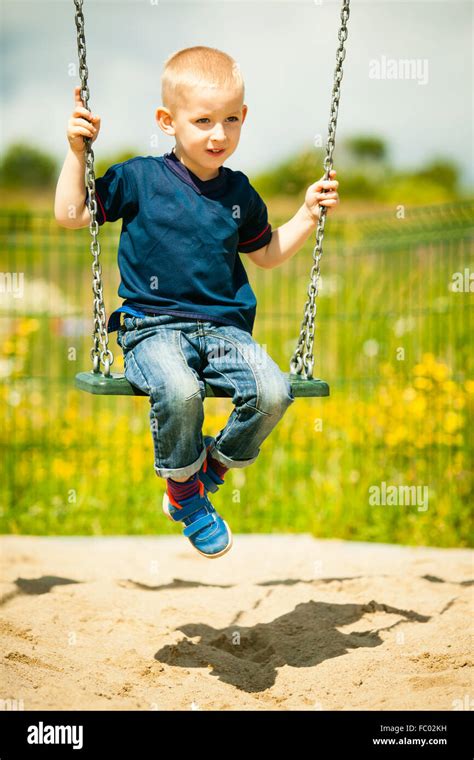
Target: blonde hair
196	67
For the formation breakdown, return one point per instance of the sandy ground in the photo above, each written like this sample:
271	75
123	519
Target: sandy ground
279	623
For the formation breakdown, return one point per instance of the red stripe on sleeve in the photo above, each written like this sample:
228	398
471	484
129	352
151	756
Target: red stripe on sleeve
255	238
101	205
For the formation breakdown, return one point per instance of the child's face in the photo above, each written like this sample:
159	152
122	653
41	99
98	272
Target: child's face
211	118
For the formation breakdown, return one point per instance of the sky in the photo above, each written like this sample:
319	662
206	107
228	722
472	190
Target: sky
286	50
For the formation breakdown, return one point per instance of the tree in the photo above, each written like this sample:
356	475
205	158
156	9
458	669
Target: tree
366	147
24	166
440	172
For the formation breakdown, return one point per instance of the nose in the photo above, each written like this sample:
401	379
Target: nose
218	133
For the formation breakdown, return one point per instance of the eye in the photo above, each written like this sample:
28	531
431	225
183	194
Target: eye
204	118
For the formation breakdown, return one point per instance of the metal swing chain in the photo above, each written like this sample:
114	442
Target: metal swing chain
303	358
100	351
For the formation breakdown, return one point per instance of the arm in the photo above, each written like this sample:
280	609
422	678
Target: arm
258	256
289	238
70	209
286	240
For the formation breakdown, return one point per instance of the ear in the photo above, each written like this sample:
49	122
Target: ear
244	112
165	120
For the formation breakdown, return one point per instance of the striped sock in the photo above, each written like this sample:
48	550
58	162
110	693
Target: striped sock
219	469
185	490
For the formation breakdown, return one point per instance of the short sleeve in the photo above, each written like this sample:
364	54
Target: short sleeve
256	231
114	194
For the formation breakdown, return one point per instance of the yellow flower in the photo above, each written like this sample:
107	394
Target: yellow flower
440	372
418	407
63	469
71	415
423	383
409	394
420	369
384	397
395	436
449	386
386	369
69	436
27	326
8	347
452	422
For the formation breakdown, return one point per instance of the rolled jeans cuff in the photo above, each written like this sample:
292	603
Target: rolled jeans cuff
182	472
227	461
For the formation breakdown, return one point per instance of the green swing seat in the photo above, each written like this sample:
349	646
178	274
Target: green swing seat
118	385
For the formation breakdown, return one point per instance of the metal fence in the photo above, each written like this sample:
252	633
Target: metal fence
396	296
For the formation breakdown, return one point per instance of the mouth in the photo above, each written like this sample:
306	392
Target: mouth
218	152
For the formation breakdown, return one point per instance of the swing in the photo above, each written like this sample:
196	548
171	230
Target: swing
109	383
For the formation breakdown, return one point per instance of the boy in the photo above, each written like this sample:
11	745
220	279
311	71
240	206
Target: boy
189	310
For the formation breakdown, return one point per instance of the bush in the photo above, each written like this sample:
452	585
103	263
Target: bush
23	166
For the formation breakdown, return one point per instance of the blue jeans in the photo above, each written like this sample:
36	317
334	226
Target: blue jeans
169	358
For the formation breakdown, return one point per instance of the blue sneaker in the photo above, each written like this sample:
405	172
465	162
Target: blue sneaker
207	531
206	474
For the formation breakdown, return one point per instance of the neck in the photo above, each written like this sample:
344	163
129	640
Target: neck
202	173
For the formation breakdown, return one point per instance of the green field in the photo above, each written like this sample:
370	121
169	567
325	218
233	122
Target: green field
393	339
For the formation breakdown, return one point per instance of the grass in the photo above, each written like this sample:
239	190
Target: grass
392	339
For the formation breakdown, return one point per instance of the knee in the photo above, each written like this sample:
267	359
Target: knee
177	393
276	397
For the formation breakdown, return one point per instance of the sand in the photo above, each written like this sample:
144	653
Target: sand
281	622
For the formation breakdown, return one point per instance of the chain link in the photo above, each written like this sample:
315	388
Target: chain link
302	361
100	352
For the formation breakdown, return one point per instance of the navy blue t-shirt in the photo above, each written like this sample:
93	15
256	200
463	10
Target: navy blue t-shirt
181	237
